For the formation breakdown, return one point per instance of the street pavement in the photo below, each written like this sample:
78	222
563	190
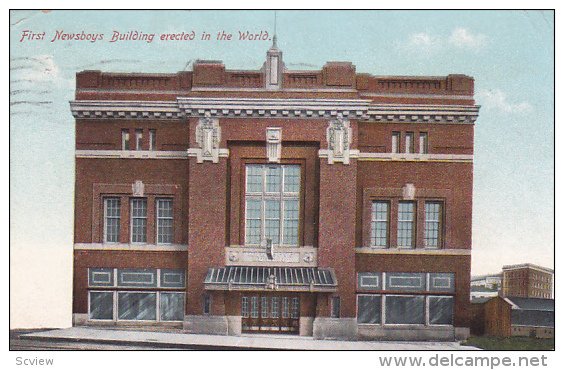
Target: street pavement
109	339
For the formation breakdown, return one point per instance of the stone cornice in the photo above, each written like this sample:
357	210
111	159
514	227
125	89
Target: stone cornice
126	109
291	108
400	113
359	109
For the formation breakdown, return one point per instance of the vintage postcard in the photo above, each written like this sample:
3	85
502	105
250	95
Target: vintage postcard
291	179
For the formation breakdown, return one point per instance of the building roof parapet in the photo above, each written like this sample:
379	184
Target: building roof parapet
527	265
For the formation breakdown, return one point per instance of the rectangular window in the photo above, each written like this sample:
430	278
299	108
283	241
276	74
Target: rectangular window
254	307
264	307
173	278
285	308
245	306
441	282
406	224
207	304
379	224
272	204
295	308
100	277
152	140
335	307
405	309
164	221
138	139
433	217
369	309
112	210
369	280
171	306
137	278
440	310
125	139
423	143
101	305
139	220
137	306
395	142
275	307
409	142
408	281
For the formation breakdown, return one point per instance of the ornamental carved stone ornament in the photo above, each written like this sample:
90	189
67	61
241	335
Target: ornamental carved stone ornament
274	144
208	135
339	135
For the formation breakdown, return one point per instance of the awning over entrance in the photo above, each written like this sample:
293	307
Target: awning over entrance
305	279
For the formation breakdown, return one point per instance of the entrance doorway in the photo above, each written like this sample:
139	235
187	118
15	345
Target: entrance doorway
270	313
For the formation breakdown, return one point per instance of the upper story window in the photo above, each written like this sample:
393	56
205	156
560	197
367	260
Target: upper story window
379	224
164	221
111	220
272	204
152	139
409	142
124	139
423	143
138	139
406	224
395	142
433	224
139	220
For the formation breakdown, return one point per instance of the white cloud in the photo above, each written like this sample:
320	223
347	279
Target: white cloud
463	38
497	100
460	38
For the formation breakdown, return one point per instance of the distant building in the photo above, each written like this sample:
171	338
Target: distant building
527	280
490	282
514	316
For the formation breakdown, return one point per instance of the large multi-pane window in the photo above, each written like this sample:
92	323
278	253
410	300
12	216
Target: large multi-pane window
138	220
111	220
272	204
407	299
379	224
433	217
164	221
406	224
159	294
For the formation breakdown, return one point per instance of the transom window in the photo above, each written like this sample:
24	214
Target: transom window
406	221
272	204
379	226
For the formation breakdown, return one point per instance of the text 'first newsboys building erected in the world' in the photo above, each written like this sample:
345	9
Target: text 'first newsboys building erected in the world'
324	203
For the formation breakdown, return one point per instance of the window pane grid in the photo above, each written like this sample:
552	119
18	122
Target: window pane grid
164	221
272	204
112	220
432	224
139	220
379	228
406	216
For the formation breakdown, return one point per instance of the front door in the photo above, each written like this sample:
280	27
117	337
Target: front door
270	313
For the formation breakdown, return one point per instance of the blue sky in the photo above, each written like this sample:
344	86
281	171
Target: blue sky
509	53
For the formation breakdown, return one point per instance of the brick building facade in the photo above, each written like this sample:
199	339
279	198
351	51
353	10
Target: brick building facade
326	203
527	281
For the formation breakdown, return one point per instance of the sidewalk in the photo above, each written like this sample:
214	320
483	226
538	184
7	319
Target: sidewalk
218	342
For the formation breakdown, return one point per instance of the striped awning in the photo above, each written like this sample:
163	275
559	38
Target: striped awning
306	279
